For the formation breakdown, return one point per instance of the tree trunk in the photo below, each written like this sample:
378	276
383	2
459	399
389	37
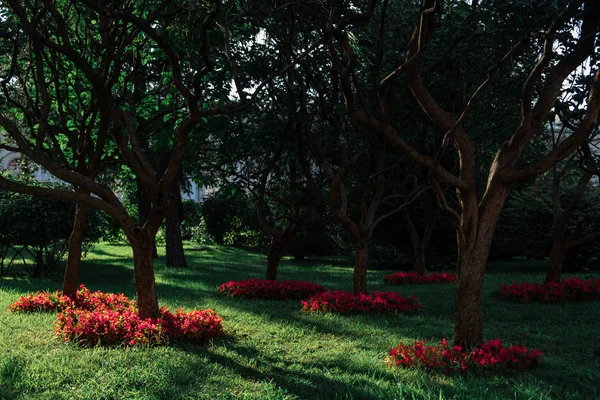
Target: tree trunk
418	253
274	256
71	278
360	268
145	286
559	247
144	208
478	225
175	254
468	323
419	264
557	259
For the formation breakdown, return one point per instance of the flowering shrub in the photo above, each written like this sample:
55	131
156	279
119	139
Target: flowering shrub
195	326
573	289
107	327
41	301
271	290
348	303
115	327
446	359
402	278
112	319
56	301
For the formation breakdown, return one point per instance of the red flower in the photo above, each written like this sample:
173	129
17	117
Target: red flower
443	359
573	289
348	303
112	319
269	290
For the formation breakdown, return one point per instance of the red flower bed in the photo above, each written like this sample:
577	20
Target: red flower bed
446	359
270	290
56	301
573	289
348	303
112	319
403	278
124	327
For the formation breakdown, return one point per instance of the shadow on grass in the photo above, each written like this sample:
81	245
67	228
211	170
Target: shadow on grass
301	379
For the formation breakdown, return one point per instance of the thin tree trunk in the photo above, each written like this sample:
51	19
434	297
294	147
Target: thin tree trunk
71	278
418	254
175	254
145	286
360	267
274	255
559	247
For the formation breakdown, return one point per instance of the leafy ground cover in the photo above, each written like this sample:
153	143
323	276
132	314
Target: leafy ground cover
274	350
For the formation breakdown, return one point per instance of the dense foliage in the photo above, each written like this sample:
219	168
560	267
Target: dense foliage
41	228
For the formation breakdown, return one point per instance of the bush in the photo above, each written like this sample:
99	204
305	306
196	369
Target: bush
42	227
269	290
446	359
230	218
402	278
573	289
348	303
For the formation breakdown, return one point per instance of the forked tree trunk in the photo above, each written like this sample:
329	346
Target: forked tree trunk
145	286
175	254
419	243
274	255
71	278
361	262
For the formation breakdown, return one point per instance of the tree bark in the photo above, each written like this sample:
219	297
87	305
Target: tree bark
175	253
274	256
557	259
474	248
71	278
360	267
145	286
144	209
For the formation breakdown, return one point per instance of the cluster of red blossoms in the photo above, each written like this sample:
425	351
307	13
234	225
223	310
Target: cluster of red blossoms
446	359
403	278
56	301
112	319
270	290
341	302
573	289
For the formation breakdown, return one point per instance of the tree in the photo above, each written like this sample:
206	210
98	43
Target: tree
92	51
479	208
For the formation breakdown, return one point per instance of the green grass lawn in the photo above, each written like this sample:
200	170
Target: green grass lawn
275	351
